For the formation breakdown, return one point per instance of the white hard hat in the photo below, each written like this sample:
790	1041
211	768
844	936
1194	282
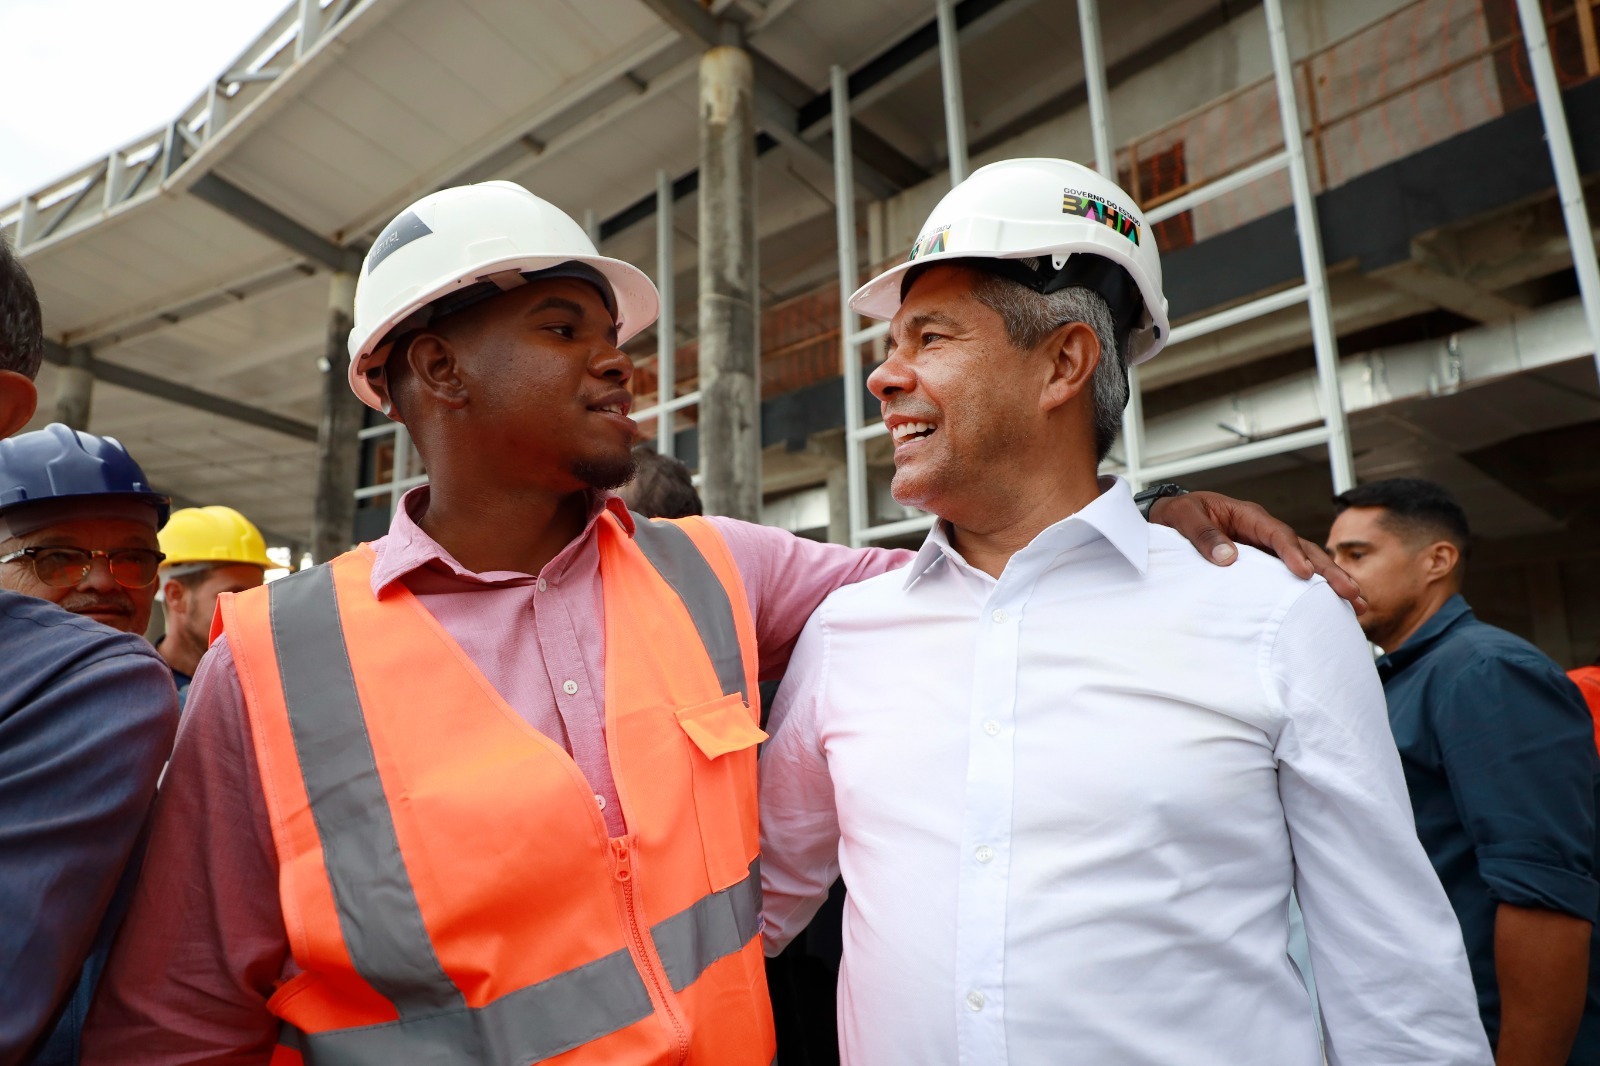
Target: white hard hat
483	238
1043	218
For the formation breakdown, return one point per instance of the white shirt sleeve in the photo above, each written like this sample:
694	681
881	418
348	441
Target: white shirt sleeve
799	825
1386	949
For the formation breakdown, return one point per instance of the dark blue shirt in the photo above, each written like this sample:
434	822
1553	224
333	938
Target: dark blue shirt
87	717
1499	756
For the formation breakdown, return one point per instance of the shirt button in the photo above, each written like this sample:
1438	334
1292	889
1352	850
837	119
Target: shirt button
542	585
569	687
992	727
984	853
1000	615
975	1000
601	800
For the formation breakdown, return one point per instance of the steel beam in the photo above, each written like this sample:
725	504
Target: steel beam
120	330
268	221
955	109
908	57
1313	266
666	321
150	385
779	96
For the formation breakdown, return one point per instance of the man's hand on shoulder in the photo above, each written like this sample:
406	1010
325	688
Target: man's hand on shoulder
1212	522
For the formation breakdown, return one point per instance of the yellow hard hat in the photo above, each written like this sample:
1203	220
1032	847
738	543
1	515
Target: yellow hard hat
212	535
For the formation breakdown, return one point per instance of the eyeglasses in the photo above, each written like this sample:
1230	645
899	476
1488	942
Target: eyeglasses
61	568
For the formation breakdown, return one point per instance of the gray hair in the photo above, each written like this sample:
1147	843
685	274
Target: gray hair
1029	317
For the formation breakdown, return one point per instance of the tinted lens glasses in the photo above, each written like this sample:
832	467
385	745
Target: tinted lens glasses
61	568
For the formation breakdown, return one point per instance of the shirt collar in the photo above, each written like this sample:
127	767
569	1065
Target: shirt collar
407	548
1453	612
1111	516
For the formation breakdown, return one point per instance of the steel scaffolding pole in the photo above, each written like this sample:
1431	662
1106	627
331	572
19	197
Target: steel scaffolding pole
1323	342
1569	185
1094	80
849	343
1105	161
955	111
666	324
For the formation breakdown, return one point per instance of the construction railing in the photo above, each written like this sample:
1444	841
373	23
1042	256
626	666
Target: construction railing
1418	76
136	170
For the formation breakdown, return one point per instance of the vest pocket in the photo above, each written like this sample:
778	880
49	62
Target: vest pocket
724	736
721	726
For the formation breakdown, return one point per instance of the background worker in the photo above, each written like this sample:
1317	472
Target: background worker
87	717
1070	772
1500	761
79	525
209	551
661	487
531	828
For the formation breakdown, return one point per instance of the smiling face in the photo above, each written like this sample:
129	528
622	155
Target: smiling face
97	596
533	385
961	402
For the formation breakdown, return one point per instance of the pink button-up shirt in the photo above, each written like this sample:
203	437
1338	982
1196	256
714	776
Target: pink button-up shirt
204	946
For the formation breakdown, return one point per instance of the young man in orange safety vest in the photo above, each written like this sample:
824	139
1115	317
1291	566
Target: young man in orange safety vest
483	790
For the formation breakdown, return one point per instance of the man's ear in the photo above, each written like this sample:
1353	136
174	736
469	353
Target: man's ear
1441	561
1074	351
433	364
18	400
174	595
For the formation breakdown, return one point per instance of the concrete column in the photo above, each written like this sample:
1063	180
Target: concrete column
75	389
338	442
730	359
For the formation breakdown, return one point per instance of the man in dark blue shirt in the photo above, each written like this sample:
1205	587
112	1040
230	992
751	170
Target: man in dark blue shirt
87	717
1500	760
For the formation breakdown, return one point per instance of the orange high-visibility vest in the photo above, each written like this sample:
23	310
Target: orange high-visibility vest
447	881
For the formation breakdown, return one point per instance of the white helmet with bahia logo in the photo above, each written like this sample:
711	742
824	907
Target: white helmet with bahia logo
458	246
1049	224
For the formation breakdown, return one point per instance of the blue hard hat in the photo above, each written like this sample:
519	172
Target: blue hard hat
57	462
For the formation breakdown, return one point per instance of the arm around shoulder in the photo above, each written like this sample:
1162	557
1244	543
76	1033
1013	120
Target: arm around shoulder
799	824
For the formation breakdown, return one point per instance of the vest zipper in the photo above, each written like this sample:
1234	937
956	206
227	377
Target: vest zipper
660	988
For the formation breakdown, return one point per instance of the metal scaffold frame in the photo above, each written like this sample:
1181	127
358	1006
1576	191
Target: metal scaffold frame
1313	291
668	403
1334	432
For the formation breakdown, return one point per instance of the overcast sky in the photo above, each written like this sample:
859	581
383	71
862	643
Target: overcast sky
80	77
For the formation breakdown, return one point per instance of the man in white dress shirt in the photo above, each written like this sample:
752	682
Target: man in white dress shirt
1069	770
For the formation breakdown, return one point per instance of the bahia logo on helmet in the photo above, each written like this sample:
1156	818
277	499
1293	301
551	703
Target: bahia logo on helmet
929	243
1077	202
401	232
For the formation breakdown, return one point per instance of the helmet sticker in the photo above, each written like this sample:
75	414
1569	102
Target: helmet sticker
1085	205
929	243
401	232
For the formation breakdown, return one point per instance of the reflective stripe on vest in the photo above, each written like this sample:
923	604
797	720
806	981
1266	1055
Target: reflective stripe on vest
675	557
562	1013
378	912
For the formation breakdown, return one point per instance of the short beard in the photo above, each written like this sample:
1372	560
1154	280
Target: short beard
605	473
